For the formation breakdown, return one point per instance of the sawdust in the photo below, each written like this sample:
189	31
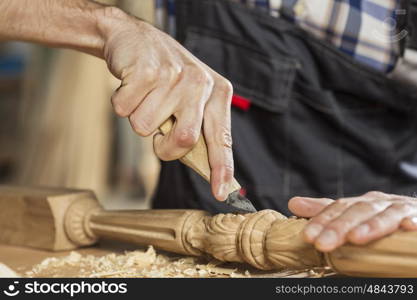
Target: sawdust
6	272
131	264
149	264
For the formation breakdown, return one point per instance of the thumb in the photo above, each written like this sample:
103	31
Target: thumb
308	207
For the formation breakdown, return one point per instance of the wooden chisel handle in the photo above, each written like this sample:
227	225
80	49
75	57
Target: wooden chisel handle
197	159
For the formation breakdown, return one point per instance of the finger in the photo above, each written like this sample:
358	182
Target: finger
319	222
159	104
217	131
193	90
132	92
409	223
182	137
308	207
334	233
380	225
154	110
334	210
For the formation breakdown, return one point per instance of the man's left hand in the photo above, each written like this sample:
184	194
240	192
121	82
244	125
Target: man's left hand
357	220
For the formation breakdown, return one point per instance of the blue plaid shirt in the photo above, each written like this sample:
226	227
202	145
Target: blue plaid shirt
364	29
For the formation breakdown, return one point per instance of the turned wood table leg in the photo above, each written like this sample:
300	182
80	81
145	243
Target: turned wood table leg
266	240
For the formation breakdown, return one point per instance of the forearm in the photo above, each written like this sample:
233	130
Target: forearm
159	77
58	23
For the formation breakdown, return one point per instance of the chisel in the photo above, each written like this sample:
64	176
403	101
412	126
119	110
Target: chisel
197	159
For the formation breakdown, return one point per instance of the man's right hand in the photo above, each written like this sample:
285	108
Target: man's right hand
159	79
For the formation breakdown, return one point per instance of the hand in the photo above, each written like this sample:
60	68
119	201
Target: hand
357	220
160	78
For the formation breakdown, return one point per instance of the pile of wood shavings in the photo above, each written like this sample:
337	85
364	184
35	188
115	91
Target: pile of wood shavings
131	264
6	272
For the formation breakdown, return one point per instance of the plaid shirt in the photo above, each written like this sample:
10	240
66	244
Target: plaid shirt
364	29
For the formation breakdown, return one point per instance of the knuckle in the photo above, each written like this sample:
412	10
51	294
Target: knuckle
328	214
228	171
340	202
187	137
141	125
173	72
402	199
113	12
365	206
402	207
119	106
376	223
150	75
200	77
323	218
163	155
224	88
120	110
340	225
223	138
375	194
229	168
227	139
319	220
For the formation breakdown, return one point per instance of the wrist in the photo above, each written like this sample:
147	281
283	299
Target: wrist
113	24
111	21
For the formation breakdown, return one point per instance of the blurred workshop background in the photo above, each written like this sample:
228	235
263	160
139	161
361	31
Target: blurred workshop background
57	127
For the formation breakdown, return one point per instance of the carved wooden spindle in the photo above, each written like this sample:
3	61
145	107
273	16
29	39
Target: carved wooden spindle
266	240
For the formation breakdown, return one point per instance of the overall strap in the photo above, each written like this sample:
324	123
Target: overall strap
408	22
412	24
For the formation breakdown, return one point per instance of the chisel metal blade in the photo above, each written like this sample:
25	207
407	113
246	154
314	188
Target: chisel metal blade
239	203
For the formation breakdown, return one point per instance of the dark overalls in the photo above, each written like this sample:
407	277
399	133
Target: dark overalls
315	121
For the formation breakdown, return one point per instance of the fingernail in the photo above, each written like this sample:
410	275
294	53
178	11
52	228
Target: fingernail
221	192
313	230
362	230
328	238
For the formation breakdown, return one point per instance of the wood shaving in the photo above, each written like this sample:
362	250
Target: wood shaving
6	272
130	264
149	264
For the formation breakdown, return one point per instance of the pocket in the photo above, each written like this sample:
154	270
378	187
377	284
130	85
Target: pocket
267	81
